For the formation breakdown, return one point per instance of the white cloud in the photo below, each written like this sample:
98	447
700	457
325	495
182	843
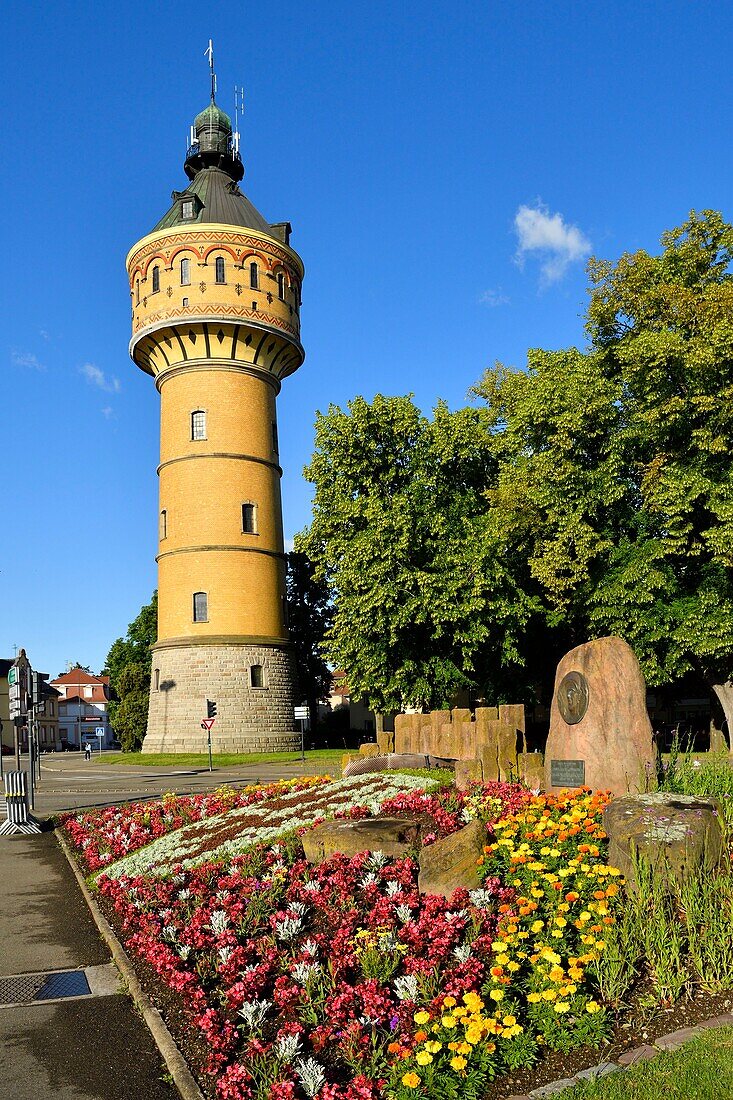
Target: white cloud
107	412
493	298
557	242
97	377
25	359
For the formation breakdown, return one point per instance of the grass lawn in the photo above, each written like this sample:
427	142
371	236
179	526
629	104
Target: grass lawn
220	760
700	1070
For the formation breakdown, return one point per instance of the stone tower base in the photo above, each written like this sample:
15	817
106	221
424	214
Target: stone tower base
249	719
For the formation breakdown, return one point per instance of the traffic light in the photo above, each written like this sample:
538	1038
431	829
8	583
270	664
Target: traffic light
36	689
210	709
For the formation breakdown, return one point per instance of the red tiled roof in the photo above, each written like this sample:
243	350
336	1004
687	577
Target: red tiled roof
79	676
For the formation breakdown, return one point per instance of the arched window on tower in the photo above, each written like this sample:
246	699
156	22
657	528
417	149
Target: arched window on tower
185	272
137	292
200	607
249	518
156	279
163	524
220	270
254	277
198	424
256	676
281	286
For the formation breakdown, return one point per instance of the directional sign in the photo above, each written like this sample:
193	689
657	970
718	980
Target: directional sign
12	675
300	713
207	723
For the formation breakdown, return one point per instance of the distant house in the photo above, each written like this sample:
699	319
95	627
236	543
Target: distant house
339	699
82	705
46	717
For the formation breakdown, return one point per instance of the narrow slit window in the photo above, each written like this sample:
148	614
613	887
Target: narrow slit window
220	270
198	424
274	438
156	680
254	277
185	272
256	676
200	607
249	519
164	524
137	292
156	280
281	286
185	302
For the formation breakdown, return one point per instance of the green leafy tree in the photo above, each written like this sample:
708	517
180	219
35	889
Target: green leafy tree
310	615
128	666
397	533
615	482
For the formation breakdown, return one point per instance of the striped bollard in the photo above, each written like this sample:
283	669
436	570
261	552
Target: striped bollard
19	819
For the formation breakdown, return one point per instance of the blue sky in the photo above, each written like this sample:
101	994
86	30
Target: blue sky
447	168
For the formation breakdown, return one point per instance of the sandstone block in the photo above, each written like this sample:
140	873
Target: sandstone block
453	861
403	732
532	770
467	772
599	720
394	836
492	713
461	714
675	831
513	715
369	749
346	759
385	740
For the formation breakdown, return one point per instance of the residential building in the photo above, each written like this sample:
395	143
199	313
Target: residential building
82	708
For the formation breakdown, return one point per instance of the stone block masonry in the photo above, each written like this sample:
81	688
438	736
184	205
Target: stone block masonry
248	719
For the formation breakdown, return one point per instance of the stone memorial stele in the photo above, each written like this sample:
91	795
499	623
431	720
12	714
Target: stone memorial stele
600	734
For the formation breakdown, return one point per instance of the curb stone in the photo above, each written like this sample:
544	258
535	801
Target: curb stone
176	1064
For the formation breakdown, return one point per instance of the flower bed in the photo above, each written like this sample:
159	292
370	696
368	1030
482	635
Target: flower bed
342	981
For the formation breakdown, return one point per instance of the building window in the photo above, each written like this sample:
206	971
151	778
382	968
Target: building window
198	424
281	286
156	280
220	270
274	438
256	676
187	209
185	302
254	277
185	272
156	680
164	524
249	519
137	292
200	607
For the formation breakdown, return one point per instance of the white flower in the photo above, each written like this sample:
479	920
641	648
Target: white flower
406	987
218	922
288	928
462	953
376	861
253	1013
368	880
404	912
303	972
286	1047
225	954
311	1074
184	951
309	947
480	898
392	888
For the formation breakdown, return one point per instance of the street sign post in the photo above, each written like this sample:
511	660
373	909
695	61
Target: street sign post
206	724
301	714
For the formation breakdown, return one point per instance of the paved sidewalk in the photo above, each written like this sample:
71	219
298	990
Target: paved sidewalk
95	1047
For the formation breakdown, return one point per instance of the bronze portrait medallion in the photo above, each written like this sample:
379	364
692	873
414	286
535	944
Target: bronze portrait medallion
572	697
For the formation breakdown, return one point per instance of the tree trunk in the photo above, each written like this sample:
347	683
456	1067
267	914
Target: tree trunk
724	693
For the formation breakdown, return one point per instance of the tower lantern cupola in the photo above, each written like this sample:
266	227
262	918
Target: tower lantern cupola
214	145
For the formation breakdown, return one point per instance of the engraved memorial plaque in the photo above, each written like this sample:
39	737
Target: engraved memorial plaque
567	773
572	697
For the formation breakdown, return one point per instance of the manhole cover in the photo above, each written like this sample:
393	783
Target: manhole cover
26	988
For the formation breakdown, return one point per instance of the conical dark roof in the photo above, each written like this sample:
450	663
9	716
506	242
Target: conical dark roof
219	200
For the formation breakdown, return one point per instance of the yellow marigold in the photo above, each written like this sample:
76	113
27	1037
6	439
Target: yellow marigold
560	922
458	1063
575	973
538	925
449	1001
411	1080
592	1007
496	994
510	1032
448	1021
508	1021
474	1035
433	1046
533	998
562	1006
549	994
421	1017
423	1058
512	966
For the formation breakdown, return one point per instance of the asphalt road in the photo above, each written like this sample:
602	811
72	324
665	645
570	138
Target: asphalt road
69	782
